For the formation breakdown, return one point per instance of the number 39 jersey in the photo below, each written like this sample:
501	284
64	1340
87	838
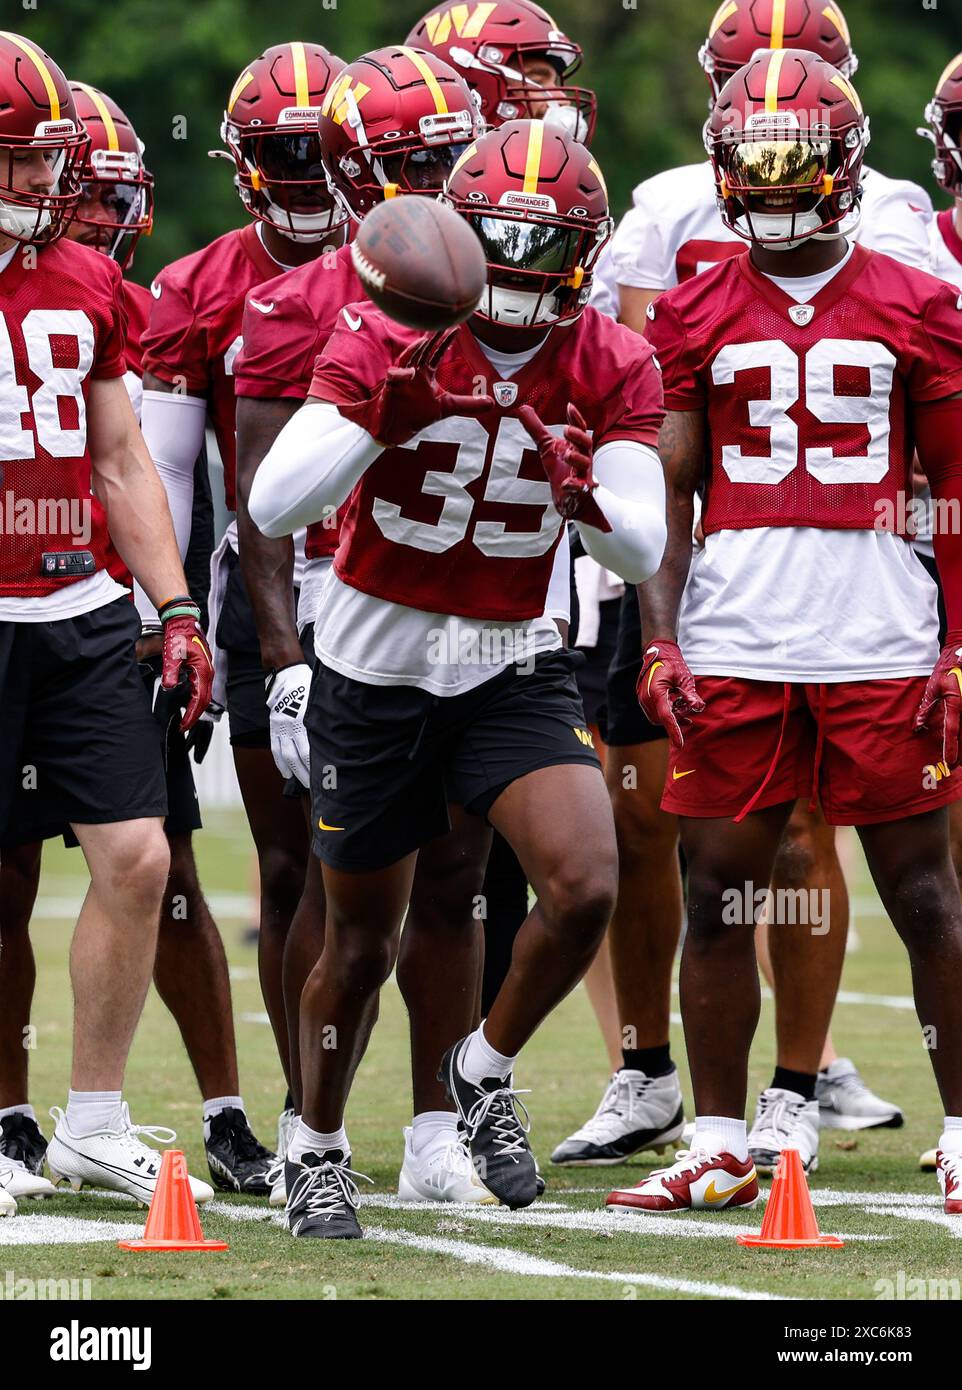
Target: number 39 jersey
808	405
62	326
460	520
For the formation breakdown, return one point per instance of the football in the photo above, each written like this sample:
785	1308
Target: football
420	262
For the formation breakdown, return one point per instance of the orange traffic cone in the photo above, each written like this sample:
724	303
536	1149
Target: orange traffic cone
172	1222
789	1222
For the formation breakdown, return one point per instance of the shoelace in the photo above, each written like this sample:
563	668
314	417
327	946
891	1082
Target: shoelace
686	1161
622	1095
127	1135
848	1081
275	1172
452	1157
952	1166
326	1189
509	1128
779	1118
243	1141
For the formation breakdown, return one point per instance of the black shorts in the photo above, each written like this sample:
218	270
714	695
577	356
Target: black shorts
386	760
79	742
247	717
928	563
593	676
621	720
183	807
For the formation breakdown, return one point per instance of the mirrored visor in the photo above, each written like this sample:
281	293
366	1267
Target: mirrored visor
290	157
778	163
422	170
550	250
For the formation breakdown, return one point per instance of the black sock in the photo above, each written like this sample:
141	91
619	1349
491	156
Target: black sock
801	1082
653	1061
288	1101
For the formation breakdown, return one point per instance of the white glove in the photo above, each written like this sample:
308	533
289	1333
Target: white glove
287	693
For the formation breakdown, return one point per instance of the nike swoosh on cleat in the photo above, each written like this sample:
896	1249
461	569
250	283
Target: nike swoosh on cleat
713	1195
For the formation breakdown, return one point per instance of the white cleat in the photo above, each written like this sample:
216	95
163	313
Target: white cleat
8	1205
287	1122
22	1183
783	1119
446	1174
845	1102
637	1112
113	1158
276	1181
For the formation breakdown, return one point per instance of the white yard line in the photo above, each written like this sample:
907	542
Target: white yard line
64	1230
508	1261
952	1224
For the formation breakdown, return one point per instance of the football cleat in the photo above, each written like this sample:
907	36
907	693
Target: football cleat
8	1204
323	1197
21	1139
949	1169
845	1102
636	1112
286	1125
496	1136
238	1162
20	1182
783	1119
929	1161
113	1158
696	1181
445	1174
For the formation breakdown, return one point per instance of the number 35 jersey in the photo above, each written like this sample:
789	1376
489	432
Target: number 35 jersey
460	520
62	326
805	575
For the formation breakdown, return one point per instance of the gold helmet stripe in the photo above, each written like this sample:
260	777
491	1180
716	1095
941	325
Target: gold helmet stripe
242	83
532	166
37	59
949	71
433	86
778	24
724	11
302	87
834	14
111	130
771	81
843	85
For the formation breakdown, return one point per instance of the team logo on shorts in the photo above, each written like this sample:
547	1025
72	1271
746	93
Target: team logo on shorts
933	774
584	737
505	392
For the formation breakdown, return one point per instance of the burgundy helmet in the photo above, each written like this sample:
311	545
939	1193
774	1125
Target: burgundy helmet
37	112
395	121
537	200
489	45
787	138
270	130
117	205
741	27
944	117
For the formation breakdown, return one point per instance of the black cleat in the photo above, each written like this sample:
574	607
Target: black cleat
20	1139
496	1135
238	1162
322	1197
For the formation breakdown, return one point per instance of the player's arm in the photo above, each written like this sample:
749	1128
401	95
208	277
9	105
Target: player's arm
634	306
666	689
126	483
267	564
938	440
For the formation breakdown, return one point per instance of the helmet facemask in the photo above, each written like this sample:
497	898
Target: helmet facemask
282	180
944	129
572	110
116	204
37	218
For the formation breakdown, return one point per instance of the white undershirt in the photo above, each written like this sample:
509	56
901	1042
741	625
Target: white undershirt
808	604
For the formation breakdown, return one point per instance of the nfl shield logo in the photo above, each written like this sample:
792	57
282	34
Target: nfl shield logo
505	392
801	314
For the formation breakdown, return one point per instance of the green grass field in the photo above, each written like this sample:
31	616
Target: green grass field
868	1187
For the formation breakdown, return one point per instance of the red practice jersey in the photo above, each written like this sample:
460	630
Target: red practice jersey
194	333
460	520
287	322
62	326
809	406
137	302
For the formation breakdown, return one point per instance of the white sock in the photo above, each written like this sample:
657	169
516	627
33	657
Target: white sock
721	1134
432	1129
310	1141
215	1106
951	1141
479	1059
27	1110
89	1112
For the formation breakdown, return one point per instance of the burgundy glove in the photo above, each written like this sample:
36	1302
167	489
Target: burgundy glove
944	688
410	397
185	646
666	689
567	462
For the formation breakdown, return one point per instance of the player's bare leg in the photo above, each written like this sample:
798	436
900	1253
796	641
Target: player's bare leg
19	880
912	869
281	839
955	836
199	995
600	989
720	996
114	943
302	949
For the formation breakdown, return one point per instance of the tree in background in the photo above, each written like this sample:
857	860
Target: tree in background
170	64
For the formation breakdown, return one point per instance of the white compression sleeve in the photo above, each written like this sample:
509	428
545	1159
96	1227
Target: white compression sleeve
631	493
173	428
310	469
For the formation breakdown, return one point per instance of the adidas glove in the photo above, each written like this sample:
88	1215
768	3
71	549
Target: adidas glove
666	689
186	652
944	691
287	692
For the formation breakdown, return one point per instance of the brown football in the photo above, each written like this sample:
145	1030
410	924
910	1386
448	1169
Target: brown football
420	262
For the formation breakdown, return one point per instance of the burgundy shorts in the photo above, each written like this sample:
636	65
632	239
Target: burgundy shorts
849	746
